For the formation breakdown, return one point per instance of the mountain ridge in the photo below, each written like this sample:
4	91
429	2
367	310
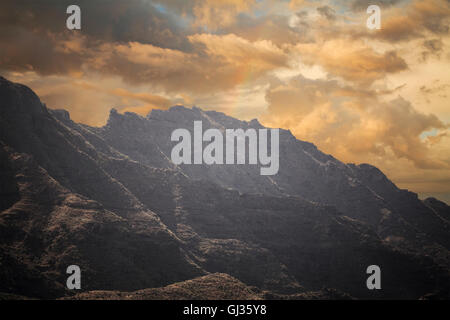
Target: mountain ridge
143	222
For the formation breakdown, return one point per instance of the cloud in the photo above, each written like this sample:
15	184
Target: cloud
327	12
218	63
85	103
24	50
351	60
34	37
278	29
297	4
433	47
133	40
351	125
210	14
110	21
415	20
216	14
364	4
435	89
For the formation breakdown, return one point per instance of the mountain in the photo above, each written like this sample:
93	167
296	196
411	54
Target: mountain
110	200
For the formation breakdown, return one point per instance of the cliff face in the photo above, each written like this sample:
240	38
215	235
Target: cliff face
110	200
359	191
60	207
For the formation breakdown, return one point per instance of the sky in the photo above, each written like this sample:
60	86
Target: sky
376	96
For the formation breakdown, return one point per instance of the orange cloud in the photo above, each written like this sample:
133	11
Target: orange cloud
351	60
296	4
353	126
216	14
219	63
419	18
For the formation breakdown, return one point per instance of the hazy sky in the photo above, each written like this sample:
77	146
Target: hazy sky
375	96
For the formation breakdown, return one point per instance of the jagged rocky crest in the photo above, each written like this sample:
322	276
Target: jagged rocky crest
110	200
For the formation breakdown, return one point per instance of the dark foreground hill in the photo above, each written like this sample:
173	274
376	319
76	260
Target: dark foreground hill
109	200
217	286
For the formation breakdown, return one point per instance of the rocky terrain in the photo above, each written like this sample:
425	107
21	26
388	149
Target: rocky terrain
110	200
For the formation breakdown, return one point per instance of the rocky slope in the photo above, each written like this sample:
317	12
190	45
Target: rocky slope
110	200
359	191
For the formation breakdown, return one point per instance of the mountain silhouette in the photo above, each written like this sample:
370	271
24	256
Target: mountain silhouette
109	200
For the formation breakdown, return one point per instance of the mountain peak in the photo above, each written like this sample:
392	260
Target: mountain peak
61	114
254	123
18	99
127	118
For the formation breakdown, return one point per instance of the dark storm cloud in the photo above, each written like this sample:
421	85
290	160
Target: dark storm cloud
22	50
106	20
34	37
